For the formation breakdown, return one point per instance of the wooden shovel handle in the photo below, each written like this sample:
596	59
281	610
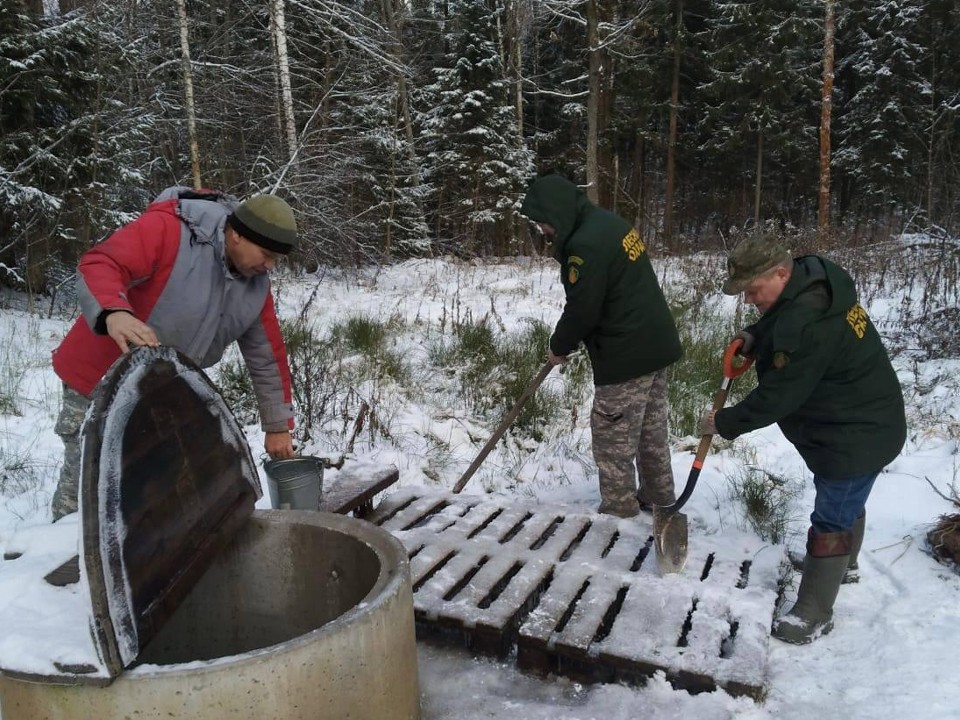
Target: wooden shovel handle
730	371
504	424
719	400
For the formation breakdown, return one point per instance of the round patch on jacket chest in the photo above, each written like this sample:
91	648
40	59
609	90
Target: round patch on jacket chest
780	360
574	274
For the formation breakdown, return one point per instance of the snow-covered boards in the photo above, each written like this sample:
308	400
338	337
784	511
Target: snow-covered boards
580	593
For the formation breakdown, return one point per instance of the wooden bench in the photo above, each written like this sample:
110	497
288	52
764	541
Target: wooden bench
353	488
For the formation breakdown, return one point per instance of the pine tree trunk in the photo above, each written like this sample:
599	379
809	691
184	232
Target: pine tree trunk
515	61
933	138
758	186
514	225
395	25
188	95
607	170
672	140
826	111
637	181
593	101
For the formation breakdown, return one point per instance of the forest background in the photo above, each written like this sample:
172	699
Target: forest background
407	128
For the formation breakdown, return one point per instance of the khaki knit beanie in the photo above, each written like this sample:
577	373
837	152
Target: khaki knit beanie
267	221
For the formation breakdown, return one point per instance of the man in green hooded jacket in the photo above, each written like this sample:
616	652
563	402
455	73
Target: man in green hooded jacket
826	380
614	305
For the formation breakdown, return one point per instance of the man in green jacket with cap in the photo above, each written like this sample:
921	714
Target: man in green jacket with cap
614	305
826	380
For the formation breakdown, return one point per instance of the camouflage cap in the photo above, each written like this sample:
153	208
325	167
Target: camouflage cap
752	257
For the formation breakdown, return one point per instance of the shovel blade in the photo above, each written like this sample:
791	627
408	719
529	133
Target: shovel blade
670	539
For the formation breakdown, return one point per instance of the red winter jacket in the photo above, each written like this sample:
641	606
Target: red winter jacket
169	269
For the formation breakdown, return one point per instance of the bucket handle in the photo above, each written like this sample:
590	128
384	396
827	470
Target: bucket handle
325	462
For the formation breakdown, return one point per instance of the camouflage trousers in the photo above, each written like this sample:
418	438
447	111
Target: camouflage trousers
629	429
69	422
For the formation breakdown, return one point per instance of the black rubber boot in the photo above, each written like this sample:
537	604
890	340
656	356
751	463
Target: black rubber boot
852	574
828	555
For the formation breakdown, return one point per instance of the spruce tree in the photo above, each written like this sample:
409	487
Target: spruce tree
761	104
476	167
62	140
885	106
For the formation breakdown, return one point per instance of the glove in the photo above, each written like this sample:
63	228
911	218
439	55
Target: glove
708	423
746	350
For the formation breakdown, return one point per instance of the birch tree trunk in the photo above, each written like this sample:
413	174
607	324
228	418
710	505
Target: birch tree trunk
279	26
188	95
826	112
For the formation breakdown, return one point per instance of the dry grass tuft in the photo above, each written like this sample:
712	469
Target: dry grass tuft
944	539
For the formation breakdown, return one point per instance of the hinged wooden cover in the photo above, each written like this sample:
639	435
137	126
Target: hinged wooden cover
167	480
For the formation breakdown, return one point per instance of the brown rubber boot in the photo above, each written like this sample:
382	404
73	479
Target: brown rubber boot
852	575
828	555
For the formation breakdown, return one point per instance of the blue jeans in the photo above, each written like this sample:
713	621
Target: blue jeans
839	501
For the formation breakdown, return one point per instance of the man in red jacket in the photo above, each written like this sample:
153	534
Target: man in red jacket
190	273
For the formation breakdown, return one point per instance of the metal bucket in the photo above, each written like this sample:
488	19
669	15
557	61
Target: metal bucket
295	483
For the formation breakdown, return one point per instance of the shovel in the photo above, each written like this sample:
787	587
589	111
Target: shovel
669	524
505	423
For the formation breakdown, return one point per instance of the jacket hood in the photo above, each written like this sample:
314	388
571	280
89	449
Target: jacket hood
554	200
811	271
204	212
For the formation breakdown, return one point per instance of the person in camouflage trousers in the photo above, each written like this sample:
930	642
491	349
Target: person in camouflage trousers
628	425
825	378
72	412
614	306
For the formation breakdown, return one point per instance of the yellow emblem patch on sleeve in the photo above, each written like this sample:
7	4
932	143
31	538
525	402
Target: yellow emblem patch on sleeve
857	319
573	268
780	360
633	245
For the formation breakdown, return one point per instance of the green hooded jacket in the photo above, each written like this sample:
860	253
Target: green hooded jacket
614	303
824	377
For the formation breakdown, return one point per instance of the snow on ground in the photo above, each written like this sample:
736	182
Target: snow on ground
893	652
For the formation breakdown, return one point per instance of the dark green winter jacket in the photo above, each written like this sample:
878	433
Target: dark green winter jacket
824	376
614	302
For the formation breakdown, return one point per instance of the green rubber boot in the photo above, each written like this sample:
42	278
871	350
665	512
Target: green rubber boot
828	555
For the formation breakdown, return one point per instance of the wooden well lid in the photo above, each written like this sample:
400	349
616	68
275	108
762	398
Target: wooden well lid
167	479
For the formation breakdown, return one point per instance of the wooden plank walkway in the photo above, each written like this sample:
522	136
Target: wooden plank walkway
580	594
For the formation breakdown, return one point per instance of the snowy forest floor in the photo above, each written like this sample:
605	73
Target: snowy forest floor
892	654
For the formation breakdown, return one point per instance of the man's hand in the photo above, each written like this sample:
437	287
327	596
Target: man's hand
127	330
746	350
708	423
279	445
556	359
